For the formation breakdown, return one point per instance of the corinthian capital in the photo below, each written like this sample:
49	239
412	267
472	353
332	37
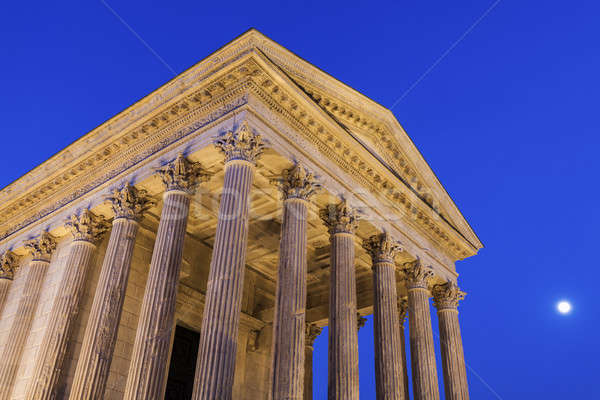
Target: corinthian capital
360	321
42	247
130	202
297	183
9	262
340	218
447	295
182	174
381	248
87	226
241	144
416	275
312	331
402	309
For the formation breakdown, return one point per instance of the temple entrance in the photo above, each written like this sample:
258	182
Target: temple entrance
180	382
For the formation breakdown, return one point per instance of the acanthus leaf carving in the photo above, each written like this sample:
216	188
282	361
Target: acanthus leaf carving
297	183
86	167
402	309
42	247
87	226
416	274
340	218
130	202
9	262
182	174
312	332
241	144
382	248
360	321
447	295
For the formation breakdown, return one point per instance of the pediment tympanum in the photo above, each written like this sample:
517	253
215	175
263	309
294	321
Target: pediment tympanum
329	123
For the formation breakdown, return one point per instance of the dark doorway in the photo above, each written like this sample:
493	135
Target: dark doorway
180	382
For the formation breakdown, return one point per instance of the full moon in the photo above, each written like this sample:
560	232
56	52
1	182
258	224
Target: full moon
564	307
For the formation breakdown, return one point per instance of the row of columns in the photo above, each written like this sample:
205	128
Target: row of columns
292	338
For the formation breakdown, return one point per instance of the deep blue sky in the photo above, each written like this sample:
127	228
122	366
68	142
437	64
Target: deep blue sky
506	120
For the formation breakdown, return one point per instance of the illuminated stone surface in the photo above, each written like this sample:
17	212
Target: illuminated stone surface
230	257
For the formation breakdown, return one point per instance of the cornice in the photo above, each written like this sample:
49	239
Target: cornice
378	118
187	104
179	119
382	140
332	141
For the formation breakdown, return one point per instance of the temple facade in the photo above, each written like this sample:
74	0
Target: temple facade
194	246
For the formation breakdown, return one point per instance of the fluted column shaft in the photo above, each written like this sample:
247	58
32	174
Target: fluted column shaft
9	261
148	367
62	317
401	318
290	304
342	221
343	332
425	384
446	298
388	366
453	361
21	324
100	336
220	320
4	287
308	373
388	363
41	249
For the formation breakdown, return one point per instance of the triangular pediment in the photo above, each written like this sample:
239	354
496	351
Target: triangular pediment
358	133
373	125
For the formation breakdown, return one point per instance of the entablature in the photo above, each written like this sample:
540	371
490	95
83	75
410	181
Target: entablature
200	98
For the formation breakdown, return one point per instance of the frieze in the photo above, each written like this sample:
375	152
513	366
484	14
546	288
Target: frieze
373	116
204	105
131	140
132	161
351	162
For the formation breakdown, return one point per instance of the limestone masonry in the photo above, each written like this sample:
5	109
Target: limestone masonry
195	245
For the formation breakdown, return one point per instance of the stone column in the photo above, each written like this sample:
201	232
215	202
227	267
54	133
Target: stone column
312	331
402	310
100	336
221	317
297	186
342	221
148	366
41	250
360	321
87	229
445	298
9	262
388	365
425	384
